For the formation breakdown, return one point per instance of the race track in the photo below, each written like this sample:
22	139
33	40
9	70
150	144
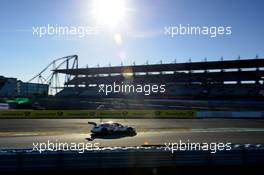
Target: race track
22	133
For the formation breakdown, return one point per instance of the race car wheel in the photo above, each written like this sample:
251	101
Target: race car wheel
130	129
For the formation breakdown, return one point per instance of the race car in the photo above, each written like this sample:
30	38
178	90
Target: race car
111	128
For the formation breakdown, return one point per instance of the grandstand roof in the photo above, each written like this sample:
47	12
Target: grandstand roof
210	65
176	77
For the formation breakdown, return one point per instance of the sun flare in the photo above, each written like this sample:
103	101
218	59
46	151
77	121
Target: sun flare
109	12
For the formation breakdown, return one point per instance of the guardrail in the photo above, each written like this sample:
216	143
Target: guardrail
230	114
128	114
122	113
139	158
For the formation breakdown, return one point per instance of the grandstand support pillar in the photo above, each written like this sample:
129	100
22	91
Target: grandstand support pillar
239	70
67	68
258	77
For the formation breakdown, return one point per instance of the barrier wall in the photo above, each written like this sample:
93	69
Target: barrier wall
97	114
231	114
129	114
12	161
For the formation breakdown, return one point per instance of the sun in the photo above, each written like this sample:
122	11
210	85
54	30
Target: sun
109	12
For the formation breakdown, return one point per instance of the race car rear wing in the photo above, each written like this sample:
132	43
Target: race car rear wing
92	123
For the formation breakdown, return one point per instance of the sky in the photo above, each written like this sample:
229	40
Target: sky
138	36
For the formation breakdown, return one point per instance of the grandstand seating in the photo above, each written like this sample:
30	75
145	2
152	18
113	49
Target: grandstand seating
212	79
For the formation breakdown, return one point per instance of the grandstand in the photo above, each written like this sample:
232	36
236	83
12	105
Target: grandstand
229	78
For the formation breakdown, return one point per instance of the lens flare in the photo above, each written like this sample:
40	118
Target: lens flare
109	12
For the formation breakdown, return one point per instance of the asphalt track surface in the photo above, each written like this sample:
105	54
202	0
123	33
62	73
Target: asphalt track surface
22	133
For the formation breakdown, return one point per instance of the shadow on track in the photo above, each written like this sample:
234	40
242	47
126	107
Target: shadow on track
110	136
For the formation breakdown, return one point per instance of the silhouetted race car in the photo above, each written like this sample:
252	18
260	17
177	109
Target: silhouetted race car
111	128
